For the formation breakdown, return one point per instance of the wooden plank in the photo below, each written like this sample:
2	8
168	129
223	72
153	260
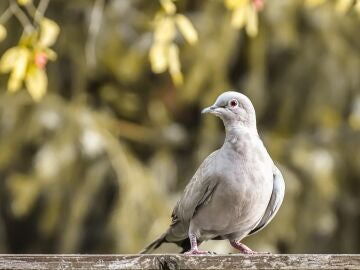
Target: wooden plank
176	261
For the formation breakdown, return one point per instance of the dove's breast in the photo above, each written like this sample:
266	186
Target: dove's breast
244	170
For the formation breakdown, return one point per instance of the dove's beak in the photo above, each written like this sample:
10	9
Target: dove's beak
211	109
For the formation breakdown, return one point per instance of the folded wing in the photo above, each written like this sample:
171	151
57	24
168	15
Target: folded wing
197	193
276	199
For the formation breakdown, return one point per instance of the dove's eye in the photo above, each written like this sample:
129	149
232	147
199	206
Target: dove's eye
233	103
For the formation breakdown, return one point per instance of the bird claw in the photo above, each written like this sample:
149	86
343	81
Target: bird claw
198	252
243	248
255	252
263	252
250	252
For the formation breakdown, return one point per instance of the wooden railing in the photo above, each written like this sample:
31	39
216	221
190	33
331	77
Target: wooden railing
175	261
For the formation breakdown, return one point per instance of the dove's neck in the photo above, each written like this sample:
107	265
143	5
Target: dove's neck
235	133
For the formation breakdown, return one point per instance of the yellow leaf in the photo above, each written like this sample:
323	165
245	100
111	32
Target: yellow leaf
8	59
252	21
36	82
233	4
23	2
158	57
314	3
168	6
21	62
165	30
186	28
342	6
2	32
51	55
238	18
49	31
174	65
14	83
19	69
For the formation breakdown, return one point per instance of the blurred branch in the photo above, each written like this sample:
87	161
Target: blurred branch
135	132
37	12
94	27
146	135
21	16
6	15
40	11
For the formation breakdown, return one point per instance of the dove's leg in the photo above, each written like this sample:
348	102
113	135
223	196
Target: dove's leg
242	247
194	247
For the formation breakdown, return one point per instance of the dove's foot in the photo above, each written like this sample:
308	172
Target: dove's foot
194	247
242	247
197	252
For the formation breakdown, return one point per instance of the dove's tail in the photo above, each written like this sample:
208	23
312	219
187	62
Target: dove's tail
155	244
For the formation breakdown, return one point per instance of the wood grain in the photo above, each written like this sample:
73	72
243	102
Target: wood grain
176	261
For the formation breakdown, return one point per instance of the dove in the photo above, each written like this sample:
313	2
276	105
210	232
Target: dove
236	191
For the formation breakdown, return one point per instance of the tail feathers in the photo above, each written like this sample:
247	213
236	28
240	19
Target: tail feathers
155	244
184	244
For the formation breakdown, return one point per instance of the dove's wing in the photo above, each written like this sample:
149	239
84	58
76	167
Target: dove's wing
198	192
276	199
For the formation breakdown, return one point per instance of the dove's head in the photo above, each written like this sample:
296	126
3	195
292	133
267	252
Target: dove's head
235	109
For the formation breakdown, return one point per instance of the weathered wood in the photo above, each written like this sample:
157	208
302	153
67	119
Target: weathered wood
175	261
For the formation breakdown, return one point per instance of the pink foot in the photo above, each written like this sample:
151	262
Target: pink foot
194	247
196	252
244	249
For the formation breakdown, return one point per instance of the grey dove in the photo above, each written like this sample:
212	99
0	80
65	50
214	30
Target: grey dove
235	192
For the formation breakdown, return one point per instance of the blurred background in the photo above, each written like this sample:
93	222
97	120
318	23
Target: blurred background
94	160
